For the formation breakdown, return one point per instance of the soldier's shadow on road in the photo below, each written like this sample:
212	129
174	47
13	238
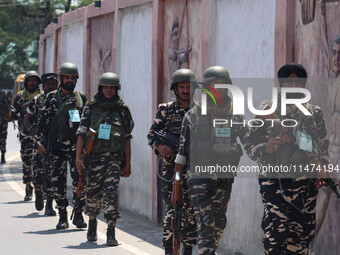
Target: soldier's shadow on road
29	216
86	246
52	231
16	202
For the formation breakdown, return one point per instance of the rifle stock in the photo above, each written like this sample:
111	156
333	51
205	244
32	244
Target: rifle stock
176	220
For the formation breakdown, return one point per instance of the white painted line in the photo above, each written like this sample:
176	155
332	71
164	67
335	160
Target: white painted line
134	250
9	179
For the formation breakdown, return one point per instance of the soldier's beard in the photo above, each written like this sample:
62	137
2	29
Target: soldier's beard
32	88
68	86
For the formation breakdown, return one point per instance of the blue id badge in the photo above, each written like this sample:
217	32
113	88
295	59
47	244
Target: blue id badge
104	131
305	141
222	132
74	115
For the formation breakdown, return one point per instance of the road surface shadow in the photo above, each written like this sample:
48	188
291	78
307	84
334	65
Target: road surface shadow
18	202
30	216
87	245
53	231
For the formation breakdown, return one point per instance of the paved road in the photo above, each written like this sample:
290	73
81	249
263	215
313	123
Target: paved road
24	230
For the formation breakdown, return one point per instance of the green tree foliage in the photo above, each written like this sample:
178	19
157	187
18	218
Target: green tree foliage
21	22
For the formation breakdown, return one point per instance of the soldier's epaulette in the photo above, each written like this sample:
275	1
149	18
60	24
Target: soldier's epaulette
165	105
91	102
52	92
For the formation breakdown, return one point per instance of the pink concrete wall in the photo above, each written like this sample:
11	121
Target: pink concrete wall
100	47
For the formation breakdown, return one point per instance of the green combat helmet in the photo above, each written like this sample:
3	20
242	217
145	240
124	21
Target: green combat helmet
216	72
182	75
109	79
68	68
31	74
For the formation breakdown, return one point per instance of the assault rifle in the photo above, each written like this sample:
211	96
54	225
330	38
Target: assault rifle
176	219
322	174
80	187
166	138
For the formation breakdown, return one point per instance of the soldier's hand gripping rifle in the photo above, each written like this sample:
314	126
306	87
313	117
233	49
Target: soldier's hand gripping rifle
176	220
166	138
322	174
80	187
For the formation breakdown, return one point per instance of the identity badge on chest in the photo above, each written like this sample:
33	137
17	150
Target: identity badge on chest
74	115
104	131
305	141
222	132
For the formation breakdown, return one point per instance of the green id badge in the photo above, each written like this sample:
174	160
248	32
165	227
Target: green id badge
104	131
305	141
74	115
222	132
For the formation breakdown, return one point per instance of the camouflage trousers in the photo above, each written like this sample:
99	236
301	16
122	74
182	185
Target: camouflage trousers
39	178
289	218
210	201
3	133
102	182
27	147
58	174
188	222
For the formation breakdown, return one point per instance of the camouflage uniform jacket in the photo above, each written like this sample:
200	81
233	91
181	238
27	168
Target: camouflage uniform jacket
18	108
190	122
35	106
49	111
3	103
315	125
168	118
85	122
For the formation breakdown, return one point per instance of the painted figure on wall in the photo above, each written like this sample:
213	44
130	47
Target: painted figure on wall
307	11
177	56
332	74
104	59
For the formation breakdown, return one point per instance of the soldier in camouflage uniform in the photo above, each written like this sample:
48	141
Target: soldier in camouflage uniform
4	114
169	118
61	116
27	140
210	194
33	112
289	203
110	156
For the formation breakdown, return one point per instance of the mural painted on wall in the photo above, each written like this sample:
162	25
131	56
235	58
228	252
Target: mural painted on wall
177	56
318	48
182	36
101	38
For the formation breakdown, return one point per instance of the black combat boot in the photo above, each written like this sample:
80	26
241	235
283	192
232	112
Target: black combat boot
63	221
111	236
92	231
187	250
39	203
49	208
168	250
78	219
3	161
29	191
